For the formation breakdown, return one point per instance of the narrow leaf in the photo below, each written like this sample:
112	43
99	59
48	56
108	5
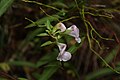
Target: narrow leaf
111	55
22	79
43	34
23	63
49	26
46	43
100	73
49	71
43	20
47	58
59	4
4	5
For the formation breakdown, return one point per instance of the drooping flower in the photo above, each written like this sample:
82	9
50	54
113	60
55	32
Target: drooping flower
63	55
62	47
61	26
75	33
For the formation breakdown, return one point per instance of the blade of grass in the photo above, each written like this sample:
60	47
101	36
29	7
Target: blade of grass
49	71
100	73
111	55
4	5
47	58
22	63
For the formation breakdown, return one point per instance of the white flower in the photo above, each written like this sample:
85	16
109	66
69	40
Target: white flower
63	55
62	47
78	39
61	26
74	32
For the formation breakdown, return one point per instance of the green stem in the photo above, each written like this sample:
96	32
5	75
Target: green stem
42	5
89	41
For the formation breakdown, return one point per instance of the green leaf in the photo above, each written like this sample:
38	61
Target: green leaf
59	4
50	65
48	72
43	34
44	19
49	26
36	75
111	55
22	79
4	5
72	68
47	58
22	63
3	78
4	66
100	73
47	43
30	37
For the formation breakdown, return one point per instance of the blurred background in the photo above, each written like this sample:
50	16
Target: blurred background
23	58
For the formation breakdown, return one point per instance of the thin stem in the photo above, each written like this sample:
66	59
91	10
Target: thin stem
73	17
96	31
89	40
107	16
91	32
42	5
48	14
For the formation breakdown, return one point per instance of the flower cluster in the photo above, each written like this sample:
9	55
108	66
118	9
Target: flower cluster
74	32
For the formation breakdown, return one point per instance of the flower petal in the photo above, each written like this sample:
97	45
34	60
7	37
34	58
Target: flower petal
74	31
62	47
61	26
65	56
78	39
59	58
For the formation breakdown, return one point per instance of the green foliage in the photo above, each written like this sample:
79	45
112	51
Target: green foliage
2	78
110	57
49	71
48	58
43	34
4	67
46	43
59	4
104	71
39	62
4	5
43	20
23	63
22	79
101	73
